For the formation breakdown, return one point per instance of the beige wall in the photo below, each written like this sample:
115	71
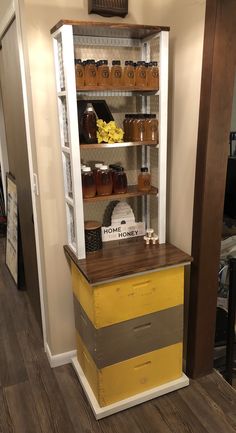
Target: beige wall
4	6
186	19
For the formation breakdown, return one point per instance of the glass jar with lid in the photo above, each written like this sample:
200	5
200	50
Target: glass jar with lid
127	125
79	73
144	180
104	181
138	128
90	73
128	75
103	73
88	125
151	130
116	73
141	74
97	167
88	183
153	75
120	181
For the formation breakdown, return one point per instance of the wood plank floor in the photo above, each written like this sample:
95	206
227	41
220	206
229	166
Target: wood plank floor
36	399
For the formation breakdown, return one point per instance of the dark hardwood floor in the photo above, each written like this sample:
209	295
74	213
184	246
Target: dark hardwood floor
36	399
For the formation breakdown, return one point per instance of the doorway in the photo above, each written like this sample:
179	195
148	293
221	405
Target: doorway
13	112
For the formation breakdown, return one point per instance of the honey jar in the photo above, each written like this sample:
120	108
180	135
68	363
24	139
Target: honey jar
151	130
88	183
153	75
104	181
120	181
128	76
141	74
116	73
138	128
144	180
90	73
103	73
79	73
127	125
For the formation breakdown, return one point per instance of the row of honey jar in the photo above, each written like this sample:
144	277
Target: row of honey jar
105	180
131	74
141	127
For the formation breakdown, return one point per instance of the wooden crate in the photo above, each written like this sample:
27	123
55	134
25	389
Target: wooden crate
119	342
124	299
133	376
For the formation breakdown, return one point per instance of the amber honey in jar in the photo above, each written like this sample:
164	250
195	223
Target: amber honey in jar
116	73
103	73
90	73
119	181
141	74
88	125
104	181
138	128
144	180
151	130
127	127
88	183
153	75
128	74
79	73
97	167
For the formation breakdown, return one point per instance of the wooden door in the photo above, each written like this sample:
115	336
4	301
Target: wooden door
218	74
13	110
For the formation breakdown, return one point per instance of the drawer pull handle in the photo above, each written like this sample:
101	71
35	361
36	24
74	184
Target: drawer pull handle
142	327
143	283
145	364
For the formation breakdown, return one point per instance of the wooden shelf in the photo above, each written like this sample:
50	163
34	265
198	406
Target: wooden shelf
124	144
116	89
126	257
132	192
123	30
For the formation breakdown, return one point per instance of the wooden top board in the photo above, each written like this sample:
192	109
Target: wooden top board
104	29
125	258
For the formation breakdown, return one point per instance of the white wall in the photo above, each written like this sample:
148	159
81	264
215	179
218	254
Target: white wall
186	19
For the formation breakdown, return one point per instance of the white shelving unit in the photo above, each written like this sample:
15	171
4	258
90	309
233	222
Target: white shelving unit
98	40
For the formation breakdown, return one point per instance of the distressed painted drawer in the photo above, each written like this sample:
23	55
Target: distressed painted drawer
116	343
124	379
124	299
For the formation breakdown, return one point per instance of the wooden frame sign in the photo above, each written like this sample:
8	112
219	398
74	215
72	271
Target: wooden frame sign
12	229
108	8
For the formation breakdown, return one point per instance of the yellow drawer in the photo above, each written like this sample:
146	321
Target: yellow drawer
124	299
124	379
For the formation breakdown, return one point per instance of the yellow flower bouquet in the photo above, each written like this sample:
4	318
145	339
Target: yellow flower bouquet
109	132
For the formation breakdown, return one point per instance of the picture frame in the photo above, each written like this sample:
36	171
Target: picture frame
13	250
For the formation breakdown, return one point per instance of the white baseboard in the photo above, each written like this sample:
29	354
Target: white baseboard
60	359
